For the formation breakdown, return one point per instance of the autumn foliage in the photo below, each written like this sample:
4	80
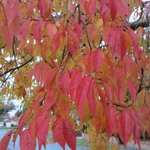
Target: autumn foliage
75	60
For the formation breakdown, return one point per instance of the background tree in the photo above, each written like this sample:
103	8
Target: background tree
5	108
86	59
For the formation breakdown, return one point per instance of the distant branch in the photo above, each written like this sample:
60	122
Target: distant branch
13	69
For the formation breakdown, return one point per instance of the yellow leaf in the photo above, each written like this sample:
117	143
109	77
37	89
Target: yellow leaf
99	24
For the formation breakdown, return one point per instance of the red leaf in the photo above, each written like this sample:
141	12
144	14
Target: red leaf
135	42
81	110
133	37
11	10
128	63
122	8
78	29
23	118
132	89
44	7
98	59
56	41
30	6
97	124
42	128
109	93
113	9
14	27
125	126
37	71
36	103
33	130
105	11
90	7
8	37
120	46
26	141
111	120
136	129
116	40
119	72
24	28
104	6
82	90
70	135
91	97
71	7
58	132
37	31
49	80
73	43
44	72
51	30
88	61
64	82
5	140
50	99
121	93
77	76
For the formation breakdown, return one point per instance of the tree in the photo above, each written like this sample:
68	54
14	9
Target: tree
5	108
86	59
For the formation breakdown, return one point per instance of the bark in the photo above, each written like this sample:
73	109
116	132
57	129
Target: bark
140	23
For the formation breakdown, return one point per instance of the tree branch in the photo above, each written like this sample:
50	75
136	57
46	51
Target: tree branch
12	69
141	23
